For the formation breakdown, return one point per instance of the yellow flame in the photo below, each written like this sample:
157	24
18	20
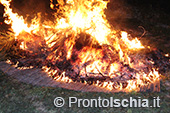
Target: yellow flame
23	45
167	55
17	22
83	16
133	44
87	16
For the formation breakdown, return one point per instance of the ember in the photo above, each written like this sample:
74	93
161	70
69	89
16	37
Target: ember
80	46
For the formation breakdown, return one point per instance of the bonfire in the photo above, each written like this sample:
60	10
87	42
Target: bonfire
80	46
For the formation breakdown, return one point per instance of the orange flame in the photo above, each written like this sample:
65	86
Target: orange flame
17	22
83	16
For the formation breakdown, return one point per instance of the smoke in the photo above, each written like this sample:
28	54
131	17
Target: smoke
30	8
117	13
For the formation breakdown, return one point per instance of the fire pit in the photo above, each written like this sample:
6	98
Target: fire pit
80	51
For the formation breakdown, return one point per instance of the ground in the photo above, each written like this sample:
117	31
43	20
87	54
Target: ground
17	97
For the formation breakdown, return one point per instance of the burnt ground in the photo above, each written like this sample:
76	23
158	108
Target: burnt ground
133	16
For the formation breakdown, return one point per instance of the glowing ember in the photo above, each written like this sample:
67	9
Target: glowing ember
82	47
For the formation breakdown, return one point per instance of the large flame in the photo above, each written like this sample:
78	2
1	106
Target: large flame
88	17
17	22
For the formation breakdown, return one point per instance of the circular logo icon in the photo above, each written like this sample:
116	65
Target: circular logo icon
59	102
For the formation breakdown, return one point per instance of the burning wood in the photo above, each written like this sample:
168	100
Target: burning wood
83	48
